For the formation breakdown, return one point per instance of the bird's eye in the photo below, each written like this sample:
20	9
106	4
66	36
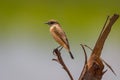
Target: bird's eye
52	22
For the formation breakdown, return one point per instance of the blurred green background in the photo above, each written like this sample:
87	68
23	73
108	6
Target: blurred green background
26	45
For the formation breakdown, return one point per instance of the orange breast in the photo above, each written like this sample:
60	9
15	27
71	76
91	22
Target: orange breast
57	38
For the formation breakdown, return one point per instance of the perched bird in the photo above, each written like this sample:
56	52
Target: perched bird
59	35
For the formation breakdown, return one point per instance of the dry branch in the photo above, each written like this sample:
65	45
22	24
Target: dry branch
59	59
94	67
104	33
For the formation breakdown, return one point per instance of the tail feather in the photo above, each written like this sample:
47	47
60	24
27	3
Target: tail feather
71	55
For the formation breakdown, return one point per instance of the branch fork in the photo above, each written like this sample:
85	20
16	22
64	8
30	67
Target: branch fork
93	67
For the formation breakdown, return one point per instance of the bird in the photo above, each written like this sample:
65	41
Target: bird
59	35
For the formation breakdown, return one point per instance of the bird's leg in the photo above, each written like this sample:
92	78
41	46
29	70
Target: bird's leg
57	48
60	48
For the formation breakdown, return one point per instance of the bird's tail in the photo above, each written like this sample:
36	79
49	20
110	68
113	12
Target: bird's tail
71	55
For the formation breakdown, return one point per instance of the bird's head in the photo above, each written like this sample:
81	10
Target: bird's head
51	22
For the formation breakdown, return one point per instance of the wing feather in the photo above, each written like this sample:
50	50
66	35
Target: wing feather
59	32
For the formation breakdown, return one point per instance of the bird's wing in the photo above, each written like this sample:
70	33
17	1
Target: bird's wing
62	35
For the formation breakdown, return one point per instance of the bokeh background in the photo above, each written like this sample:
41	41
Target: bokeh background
26	45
